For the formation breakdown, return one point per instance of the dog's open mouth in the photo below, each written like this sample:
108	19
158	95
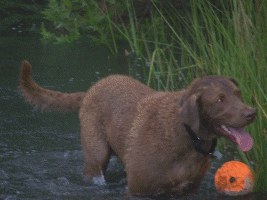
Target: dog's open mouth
236	135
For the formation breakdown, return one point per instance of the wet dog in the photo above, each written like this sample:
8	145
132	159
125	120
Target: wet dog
163	138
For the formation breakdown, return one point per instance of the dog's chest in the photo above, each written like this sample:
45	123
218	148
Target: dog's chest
186	177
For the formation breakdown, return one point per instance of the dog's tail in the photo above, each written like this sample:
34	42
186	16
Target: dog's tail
46	99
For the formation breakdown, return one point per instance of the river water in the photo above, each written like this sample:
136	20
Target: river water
40	152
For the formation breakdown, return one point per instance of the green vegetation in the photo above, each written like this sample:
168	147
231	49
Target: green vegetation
228	39
75	17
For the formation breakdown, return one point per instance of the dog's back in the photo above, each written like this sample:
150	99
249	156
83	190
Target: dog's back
111	104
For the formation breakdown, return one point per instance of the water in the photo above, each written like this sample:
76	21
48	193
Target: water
40	153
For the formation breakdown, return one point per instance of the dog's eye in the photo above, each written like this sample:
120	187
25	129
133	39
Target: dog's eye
220	99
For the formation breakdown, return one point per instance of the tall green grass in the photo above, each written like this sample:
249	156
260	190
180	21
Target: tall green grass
225	41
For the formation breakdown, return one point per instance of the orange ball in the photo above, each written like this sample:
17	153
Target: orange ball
234	178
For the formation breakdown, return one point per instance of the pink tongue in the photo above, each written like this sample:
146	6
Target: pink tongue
242	138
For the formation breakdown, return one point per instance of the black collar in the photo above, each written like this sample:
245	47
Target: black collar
197	143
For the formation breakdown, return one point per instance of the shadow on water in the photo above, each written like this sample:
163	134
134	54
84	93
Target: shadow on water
40	153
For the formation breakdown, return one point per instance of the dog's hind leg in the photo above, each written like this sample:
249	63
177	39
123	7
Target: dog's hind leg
96	150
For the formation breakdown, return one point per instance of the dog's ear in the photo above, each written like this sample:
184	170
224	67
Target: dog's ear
233	80
189	112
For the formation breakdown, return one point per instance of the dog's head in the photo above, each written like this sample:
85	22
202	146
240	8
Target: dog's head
214	107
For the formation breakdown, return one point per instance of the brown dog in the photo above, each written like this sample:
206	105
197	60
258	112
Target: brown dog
163	138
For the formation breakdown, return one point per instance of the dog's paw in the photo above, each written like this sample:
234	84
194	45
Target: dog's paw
99	180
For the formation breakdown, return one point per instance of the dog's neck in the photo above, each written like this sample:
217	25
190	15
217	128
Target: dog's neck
198	143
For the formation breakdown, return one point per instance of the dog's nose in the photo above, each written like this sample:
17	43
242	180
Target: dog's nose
250	114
